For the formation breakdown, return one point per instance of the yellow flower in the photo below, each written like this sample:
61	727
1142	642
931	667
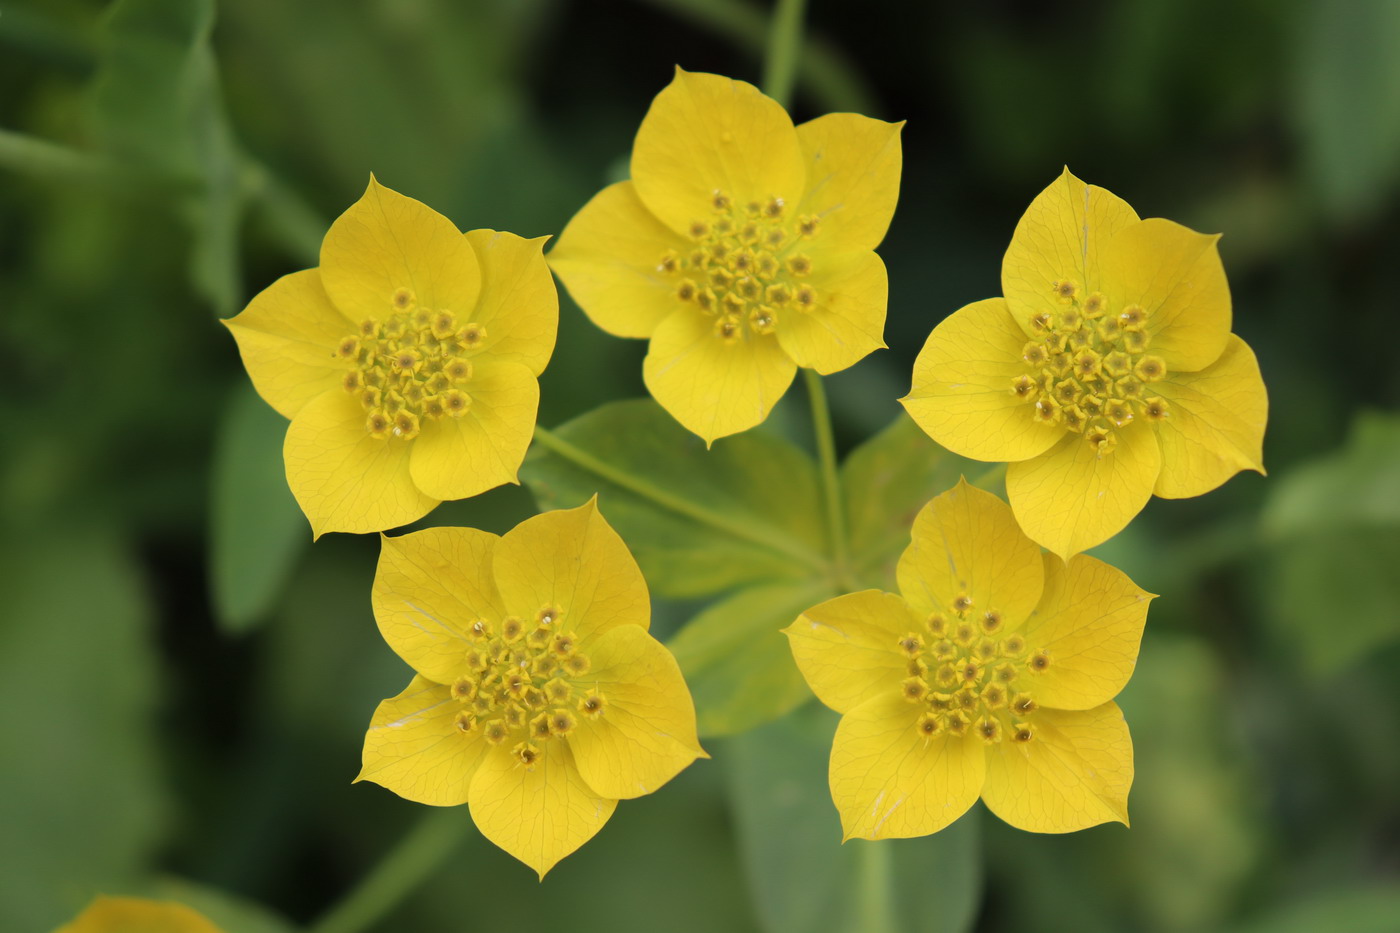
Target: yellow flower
742	246
137	915
408	362
1106	374
992	675
540	699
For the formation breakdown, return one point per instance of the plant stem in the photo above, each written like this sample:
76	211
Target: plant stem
33	156
784	41
831	479
638	486
404	868
874	897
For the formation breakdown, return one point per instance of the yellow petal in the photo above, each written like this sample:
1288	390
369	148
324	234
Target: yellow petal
518	305
454	458
888	782
962	395
428	588
706	134
1089	623
414	748
967	543
540	814
646	733
1069	499
853	169
573	560
287	337
344	479
137	915
1073	774
847	647
609	257
711	386
1215	426
847	322
385	242
1062	235
1175	275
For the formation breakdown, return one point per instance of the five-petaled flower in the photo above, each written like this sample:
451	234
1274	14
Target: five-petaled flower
127	914
540	699
993	674
742	246
1107	373
408	362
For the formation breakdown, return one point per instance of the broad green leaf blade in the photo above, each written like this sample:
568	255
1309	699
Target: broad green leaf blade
803	880
1333	526
83	807
157	105
698	521
256	530
737	662
886	480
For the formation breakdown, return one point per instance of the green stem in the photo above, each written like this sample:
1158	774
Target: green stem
425	847
826	72
874	895
831	479
638	486
784	42
40	157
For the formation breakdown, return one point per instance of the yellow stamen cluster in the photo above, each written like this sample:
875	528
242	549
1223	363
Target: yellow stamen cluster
412	365
747	267
520	683
969	675
1090	371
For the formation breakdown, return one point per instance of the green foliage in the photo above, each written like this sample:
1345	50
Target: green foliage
1333	529
1360	909
885	481
84	801
157	108
256	530
743	519
802	881
1351	136
226	911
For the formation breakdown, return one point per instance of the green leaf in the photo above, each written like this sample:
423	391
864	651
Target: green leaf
1362	909
698	521
1334	527
157	105
737	662
1348	106
803	880
886	481
256	529
83	803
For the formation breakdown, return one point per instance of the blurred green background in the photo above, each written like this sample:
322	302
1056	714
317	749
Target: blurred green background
185	681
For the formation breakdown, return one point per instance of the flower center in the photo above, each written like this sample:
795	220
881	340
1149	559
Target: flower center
410	366
518	683
968	675
746	267
1089	370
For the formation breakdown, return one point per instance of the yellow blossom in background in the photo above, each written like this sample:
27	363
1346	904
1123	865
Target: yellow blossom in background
1106	374
540	699
742	246
992	674
138	915
408	362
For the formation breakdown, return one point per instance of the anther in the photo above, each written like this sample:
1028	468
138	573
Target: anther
720	201
577	665
1022	732
991	621
465	722
762	320
994	696
463	688
1046	410
1135	341
1023	703
527	753
911	644
1132	316
592	705
458	370
1005	673
929	725
1118	411
1101	438
699	229
473	334
807	225
806	298
348	349
1064	290
686	290
774	208
1094	306
402	299
558	691
946	676
937	623
989	729
1012	646
799	265
1023	387
962	603
727	328
561	722
957	723
1156	408
1150	369
456	402
1034	353
406	425
378	424
913	689
1067	391
1086	362
495	731
964	633
1040	661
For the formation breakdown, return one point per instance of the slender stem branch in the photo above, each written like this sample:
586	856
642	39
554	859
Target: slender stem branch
831	479
425	847
640	487
874	894
784	42
34	156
